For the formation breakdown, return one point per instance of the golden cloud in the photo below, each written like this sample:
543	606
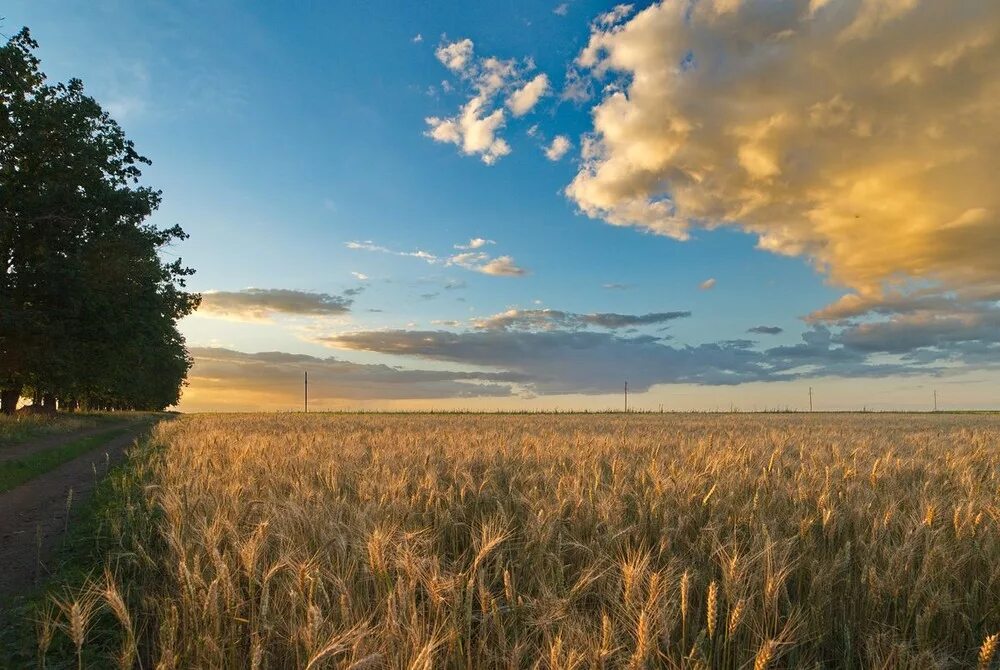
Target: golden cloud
863	135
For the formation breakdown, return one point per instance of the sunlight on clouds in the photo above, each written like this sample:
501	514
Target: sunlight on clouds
258	304
865	133
558	148
471	258
475	128
525	98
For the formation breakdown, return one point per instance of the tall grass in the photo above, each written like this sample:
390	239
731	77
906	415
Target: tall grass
19	428
752	541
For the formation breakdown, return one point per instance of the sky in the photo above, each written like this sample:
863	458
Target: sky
523	205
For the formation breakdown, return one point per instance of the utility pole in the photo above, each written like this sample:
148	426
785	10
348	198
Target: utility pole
810	398
306	391
935	400
626	395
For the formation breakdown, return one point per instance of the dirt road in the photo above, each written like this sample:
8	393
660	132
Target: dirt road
13	452
33	515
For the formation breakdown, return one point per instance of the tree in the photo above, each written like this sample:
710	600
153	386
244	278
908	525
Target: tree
88	309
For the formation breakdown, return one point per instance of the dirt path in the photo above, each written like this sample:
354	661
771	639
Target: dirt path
33	515
13	452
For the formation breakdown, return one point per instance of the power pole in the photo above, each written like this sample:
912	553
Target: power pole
306	391
626	395
935	400
810	398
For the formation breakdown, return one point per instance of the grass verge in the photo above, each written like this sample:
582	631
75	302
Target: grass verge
28	636
18	471
19	429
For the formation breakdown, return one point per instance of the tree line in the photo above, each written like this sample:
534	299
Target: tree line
88	304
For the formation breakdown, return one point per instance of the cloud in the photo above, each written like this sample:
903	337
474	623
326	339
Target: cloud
360	276
560	145
524	99
708	284
766	330
862	135
502	266
269	379
261	304
476	126
475	243
551	319
473	131
455	56
577	88
561	9
417	39
476	261
617	13
580	361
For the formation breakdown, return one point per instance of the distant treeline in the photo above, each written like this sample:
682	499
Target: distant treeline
88	307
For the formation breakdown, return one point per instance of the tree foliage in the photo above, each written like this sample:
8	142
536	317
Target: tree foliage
88	307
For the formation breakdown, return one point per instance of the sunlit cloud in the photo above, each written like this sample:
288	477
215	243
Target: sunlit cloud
708	284
474	259
524	99
475	128
258	304
558	148
474	243
872	150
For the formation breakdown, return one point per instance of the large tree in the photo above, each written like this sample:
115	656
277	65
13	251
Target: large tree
88	308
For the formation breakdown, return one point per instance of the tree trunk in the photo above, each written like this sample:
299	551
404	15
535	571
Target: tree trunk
8	399
49	401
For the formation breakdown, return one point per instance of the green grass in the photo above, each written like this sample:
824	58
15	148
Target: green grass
18	429
18	471
84	550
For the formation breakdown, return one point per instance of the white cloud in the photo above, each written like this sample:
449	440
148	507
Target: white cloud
473	131
470	259
503	266
561	9
577	88
617	13
475	128
708	284
475	243
418	38
872	149
558	148
456	55
361	276
525	98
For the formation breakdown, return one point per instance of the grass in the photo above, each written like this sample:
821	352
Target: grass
453	541
24	624
22	428
17	471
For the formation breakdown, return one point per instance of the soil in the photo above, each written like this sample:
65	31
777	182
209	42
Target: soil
33	516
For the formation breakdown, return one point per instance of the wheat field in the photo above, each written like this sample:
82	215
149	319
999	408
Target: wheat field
550	541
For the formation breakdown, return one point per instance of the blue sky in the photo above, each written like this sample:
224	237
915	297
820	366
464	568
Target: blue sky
279	134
